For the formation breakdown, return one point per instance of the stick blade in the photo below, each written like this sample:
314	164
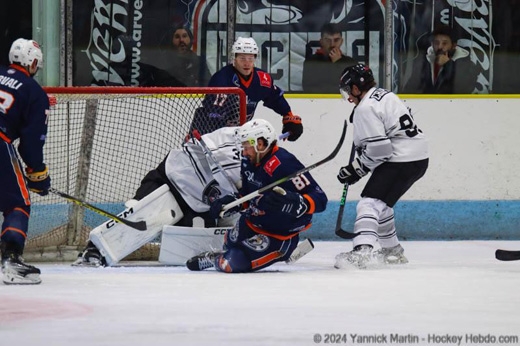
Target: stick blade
506	255
345	235
138	225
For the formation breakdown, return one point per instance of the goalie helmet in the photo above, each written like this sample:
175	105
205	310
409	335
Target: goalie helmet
359	75
244	45
24	52
253	130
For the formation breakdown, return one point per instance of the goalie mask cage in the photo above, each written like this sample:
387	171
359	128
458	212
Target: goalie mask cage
101	142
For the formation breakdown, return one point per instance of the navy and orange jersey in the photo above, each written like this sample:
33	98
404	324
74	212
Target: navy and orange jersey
221	110
278	164
24	108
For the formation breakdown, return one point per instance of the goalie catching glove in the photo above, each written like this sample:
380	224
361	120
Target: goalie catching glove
288	202
38	180
352	173
292	124
216	207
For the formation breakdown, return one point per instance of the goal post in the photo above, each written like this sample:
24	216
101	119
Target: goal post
101	142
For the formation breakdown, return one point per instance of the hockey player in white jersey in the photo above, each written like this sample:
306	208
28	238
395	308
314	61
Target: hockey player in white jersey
388	144
195	178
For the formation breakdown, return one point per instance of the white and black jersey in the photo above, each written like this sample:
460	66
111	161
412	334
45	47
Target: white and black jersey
384	130
196	178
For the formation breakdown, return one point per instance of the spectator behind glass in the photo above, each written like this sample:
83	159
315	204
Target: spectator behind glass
326	62
183	63
445	69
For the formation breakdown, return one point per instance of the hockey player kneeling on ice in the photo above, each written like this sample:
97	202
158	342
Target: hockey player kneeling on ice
268	229
178	192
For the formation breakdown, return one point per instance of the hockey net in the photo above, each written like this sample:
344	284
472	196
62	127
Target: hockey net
101	142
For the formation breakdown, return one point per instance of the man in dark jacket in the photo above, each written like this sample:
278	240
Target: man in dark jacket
445	69
326	62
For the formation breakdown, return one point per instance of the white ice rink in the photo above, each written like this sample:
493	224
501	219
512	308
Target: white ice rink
449	289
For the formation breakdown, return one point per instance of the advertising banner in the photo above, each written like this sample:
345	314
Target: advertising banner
124	42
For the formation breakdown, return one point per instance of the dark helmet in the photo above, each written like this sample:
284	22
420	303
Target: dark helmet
359	75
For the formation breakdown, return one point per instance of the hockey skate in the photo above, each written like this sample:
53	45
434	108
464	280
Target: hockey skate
90	257
202	261
359	257
16	272
390	255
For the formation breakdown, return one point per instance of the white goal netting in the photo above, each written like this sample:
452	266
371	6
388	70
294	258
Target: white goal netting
101	142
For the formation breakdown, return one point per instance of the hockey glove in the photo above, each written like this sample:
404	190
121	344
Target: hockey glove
38	180
293	124
352	173
216	207
288	202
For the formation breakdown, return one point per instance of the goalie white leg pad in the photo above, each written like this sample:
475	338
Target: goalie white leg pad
179	244
115	241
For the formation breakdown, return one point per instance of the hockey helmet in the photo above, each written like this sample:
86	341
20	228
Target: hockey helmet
24	52
359	75
253	130
244	45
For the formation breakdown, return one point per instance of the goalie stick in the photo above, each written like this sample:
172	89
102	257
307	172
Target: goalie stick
286	178
507	255
339	231
138	225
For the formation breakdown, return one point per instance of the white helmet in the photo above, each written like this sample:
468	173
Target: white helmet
244	45
24	52
253	130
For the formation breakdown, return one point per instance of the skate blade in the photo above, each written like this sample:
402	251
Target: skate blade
85	264
30	279
394	260
343	263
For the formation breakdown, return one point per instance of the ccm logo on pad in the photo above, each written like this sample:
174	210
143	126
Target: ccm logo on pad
221	231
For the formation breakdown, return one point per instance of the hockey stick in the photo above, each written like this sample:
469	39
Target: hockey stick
339	231
284	136
507	255
286	178
138	225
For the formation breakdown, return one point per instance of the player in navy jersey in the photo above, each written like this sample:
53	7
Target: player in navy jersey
24	107
257	85
391	146
268	229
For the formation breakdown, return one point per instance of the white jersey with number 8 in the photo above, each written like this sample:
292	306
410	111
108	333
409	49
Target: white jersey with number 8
384	130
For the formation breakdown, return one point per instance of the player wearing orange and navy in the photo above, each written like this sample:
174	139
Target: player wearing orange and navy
257	85
24	108
268	229
277	164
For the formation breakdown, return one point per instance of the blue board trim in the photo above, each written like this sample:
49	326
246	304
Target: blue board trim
415	220
434	220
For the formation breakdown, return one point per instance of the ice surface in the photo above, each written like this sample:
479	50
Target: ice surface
456	288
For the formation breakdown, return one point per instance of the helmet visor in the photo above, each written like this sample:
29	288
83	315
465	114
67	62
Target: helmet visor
345	91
